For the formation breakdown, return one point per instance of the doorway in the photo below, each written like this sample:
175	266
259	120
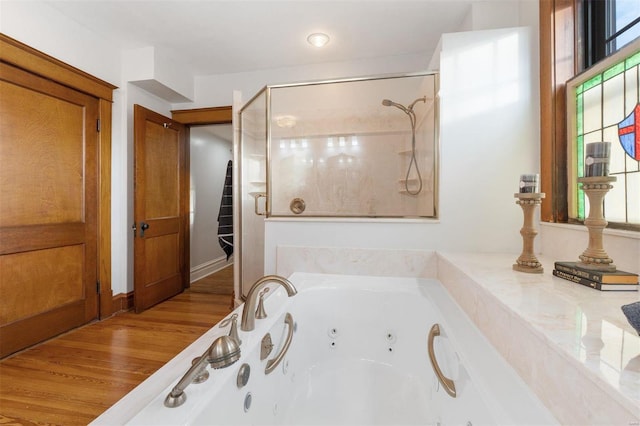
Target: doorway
194	118
210	151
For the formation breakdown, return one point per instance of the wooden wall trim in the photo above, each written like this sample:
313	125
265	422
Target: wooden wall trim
214	115
32	60
121	302
104	210
558	58
546	108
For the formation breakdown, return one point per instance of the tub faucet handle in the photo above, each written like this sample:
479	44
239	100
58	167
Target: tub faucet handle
233	330
260	312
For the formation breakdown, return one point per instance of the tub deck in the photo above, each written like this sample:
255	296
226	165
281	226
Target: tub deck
571	344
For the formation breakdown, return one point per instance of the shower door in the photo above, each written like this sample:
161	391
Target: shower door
252	191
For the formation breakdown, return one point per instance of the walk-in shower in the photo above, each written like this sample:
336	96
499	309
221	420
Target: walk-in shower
332	149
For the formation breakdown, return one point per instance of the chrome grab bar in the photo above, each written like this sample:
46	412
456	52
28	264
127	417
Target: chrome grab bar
446	383
273	363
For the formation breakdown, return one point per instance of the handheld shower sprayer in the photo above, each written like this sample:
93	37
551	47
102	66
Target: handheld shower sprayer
412	117
387	102
407	110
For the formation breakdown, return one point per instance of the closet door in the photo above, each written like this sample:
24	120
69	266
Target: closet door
48	209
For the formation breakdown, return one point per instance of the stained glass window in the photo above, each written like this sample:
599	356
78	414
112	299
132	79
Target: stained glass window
604	105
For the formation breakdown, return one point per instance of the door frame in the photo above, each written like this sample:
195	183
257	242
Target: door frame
199	117
29	59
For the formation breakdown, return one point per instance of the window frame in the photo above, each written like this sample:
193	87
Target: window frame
571	86
560	60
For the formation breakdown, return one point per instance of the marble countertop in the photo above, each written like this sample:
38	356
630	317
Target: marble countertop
546	326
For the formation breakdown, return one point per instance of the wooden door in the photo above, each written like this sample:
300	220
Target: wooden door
48	209
161	209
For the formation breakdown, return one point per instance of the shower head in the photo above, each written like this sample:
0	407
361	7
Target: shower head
409	109
387	102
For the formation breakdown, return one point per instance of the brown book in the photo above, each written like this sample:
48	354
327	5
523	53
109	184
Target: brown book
598	286
616	277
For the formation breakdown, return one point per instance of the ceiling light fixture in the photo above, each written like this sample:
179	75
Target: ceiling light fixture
318	39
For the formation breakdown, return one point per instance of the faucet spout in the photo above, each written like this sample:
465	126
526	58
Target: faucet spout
248	313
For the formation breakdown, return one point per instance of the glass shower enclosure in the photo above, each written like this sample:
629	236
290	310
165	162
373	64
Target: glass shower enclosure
353	148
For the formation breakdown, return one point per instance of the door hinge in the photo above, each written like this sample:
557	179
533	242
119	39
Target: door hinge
98	287
98	125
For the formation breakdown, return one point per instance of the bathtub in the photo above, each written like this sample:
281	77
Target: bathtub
358	354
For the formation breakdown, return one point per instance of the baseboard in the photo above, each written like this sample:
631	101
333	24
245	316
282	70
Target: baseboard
209	268
122	302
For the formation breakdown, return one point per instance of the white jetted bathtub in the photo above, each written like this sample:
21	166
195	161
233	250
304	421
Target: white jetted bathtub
358	354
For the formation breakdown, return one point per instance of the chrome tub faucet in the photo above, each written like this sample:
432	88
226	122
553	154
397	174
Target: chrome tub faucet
249	311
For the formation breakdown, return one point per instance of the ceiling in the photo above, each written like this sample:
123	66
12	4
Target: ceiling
233	36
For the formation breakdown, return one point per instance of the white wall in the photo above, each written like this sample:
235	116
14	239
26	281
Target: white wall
215	90
42	27
565	242
209	157
492	14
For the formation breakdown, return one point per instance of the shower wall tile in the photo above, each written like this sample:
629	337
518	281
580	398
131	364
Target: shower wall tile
355	261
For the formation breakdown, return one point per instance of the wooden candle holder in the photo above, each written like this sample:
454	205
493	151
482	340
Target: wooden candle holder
528	262
595	257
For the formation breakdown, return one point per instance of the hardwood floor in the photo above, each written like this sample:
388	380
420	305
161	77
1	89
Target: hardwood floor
72	379
220	282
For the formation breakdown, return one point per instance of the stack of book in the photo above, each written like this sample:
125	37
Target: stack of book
600	280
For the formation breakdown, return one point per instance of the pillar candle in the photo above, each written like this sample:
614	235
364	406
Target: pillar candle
596	162
529	183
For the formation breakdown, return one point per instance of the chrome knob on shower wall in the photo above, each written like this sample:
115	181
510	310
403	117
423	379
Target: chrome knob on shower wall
297	205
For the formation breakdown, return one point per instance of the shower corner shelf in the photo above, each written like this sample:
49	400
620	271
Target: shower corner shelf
412	182
408	152
404	191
